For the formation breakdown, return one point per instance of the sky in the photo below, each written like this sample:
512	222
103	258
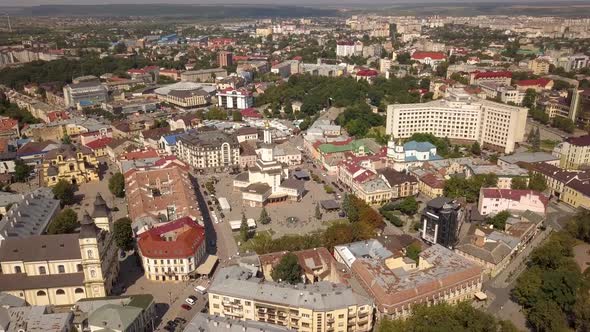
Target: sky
277	2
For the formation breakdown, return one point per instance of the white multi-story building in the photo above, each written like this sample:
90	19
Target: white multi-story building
493	125
235	98
208	149
349	48
495	200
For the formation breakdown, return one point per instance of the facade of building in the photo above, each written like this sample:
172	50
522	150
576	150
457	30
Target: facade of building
493	125
85	94
411	154
235	98
267	181
71	163
398	283
570	187
62	269
573	153
203	75
321	306
432	59
208	149
441	221
539	66
498	77
172	251
493	200
225	59
185	94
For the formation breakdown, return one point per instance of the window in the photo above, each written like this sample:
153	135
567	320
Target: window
17	269
60	292
79	291
79	267
42	270
41	293
93	273
90	253
61	269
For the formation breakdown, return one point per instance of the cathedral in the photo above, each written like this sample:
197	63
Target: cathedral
268	180
63	268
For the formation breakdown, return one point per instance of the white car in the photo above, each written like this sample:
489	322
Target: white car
190	301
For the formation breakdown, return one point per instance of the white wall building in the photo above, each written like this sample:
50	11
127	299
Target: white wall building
235	98
494	125
494	200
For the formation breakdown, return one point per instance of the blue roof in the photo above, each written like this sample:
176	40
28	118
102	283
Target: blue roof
86	102
171	139
418	146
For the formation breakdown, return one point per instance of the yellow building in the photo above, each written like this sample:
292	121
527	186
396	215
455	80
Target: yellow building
71	163
574	153
61	269
539	66
319	307
570	187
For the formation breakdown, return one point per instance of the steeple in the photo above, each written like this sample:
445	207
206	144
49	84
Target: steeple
88	228
101	213
267	134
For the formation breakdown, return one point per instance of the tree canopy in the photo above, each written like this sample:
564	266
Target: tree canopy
446	317
123	233
117	185
64	191
65	222
288	270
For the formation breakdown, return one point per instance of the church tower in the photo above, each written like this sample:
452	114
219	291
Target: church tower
90	246
395	151
102	214
266	150
98	250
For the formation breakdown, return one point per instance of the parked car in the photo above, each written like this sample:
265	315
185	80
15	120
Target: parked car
186	306
201	290
190	301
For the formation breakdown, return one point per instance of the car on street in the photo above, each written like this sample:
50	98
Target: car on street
186	306
212	243
190	301
179	320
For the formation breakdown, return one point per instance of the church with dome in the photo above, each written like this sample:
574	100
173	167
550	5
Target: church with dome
268	180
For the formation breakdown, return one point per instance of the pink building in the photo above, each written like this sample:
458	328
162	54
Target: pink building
494	200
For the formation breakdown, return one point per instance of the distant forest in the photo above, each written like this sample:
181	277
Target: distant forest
175	10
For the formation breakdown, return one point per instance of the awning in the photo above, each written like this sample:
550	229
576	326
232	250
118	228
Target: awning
207	266
481	296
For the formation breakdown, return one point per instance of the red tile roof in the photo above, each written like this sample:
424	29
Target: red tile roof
492	74
542	82
418	55
99	143
367	72
187	239
250	113
57	115
8	124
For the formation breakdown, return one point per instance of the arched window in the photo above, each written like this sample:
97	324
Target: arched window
90	253
61	269
42	270
79	267
41	293
60	292
93	273
72	167
79	291
17	269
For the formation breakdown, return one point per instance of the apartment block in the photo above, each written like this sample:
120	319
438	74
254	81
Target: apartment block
320	307
496	126
208	149
574	153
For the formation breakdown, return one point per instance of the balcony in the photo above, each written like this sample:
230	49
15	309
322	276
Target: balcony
361	314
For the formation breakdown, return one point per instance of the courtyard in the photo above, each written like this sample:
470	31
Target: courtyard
288	217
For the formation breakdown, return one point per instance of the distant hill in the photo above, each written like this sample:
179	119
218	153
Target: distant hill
174	10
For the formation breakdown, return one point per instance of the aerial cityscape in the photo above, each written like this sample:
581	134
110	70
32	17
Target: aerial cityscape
311	167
